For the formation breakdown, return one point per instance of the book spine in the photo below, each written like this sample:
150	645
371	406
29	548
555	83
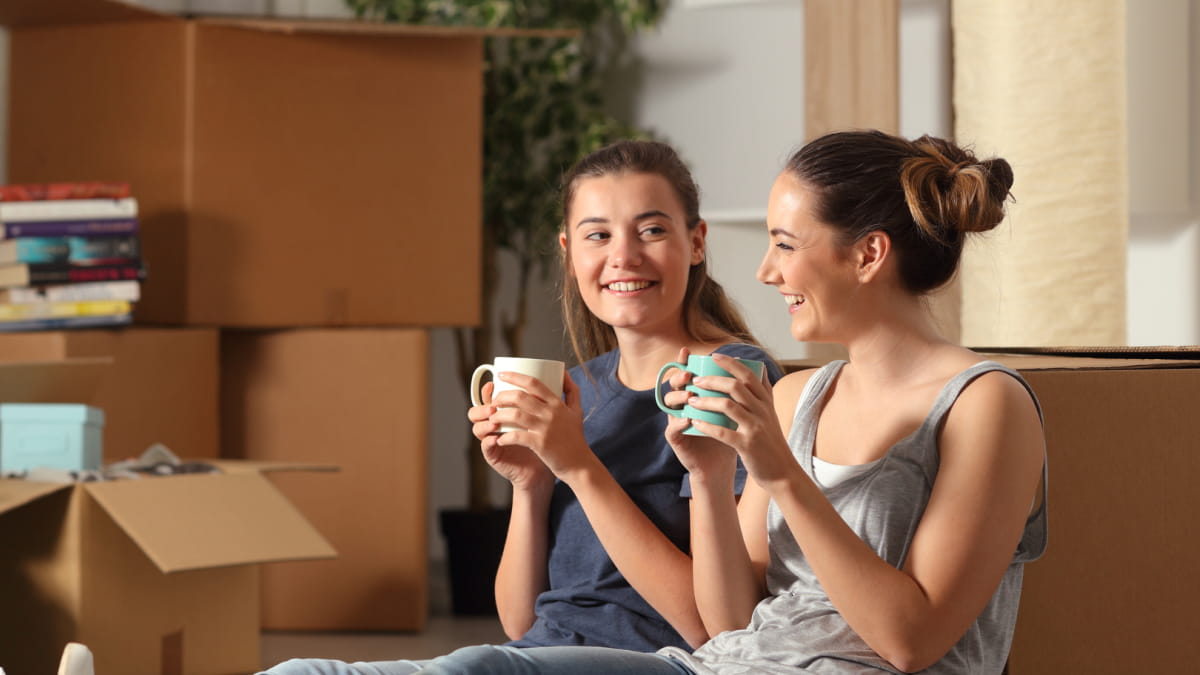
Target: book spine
40	275
67	209
97	189
130	291
38	250
57	323
85	227
49	310
102	250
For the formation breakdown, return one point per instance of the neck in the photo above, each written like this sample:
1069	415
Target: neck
642	355
897	342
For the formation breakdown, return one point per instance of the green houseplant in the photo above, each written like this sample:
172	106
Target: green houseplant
544	108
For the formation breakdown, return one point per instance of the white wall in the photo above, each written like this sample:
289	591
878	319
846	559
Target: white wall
1164	167
724	83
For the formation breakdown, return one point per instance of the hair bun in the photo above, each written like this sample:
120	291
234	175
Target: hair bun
949	192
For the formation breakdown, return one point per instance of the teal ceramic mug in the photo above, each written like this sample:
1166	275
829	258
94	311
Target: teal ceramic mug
701	366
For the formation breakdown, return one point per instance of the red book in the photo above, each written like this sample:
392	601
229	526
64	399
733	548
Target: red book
97	189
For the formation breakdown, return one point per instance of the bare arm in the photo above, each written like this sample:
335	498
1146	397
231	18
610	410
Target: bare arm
523	571
649	561
991	453
730	580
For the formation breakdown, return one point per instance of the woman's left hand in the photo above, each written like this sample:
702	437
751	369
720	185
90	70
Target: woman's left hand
750	403
549	426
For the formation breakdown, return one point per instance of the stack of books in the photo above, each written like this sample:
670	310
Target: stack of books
70	255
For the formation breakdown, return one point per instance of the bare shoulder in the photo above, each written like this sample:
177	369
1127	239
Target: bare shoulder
995	410
787	393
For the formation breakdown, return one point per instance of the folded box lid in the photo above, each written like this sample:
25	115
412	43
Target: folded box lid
210	520
51	412
16	493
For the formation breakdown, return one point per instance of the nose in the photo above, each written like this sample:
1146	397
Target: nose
625	252
767	272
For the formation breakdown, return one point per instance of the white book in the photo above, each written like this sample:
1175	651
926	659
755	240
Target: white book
67	209
130	291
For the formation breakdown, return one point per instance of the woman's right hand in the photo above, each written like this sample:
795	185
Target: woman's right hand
517	464
699	455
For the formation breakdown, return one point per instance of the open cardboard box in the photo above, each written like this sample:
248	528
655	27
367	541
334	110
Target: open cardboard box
156	575
1117	589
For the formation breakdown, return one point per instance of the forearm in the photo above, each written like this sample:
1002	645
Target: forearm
523	571
726	585
884	605
651	563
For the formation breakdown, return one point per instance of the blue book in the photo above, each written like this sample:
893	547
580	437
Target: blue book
34	250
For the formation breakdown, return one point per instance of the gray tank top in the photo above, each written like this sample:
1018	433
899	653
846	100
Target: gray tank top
796	628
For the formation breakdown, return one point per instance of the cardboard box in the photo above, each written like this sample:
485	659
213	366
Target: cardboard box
162	385
1117	589
288	173
155	575
357	398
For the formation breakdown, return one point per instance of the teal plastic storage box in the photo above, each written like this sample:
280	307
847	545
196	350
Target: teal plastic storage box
53	435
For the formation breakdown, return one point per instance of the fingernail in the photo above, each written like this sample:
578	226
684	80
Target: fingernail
693	400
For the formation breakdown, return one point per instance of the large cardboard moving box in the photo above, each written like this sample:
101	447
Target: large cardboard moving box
302	173
162	385
155	575
356	398
1118	587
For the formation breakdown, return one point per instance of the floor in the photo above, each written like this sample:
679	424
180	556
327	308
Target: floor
443	633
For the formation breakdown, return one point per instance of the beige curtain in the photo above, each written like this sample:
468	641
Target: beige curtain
1042	84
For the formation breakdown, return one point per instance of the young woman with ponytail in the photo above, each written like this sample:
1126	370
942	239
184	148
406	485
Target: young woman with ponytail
895	496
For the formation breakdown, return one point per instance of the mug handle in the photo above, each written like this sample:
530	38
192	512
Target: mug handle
658	388
476	376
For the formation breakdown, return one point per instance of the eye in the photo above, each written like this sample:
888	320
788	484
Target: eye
653	231
783	247
596	236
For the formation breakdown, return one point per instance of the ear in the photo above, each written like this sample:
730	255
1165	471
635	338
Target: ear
562	240
699	234
871	253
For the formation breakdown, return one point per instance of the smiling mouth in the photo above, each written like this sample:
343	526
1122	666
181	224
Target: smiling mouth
628	286
793	300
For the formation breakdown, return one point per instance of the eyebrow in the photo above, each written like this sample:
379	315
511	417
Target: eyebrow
780	232
653	213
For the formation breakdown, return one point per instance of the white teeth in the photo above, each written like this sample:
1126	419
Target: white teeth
626	286
793	299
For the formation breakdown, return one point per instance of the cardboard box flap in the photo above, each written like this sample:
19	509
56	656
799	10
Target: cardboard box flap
1062	362
18	13
364	27
202	521
59	381
1135	352
15	493
257	466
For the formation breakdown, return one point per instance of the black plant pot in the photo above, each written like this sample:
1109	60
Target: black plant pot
474	541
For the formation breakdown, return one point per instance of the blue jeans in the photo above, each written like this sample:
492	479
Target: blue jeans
501	660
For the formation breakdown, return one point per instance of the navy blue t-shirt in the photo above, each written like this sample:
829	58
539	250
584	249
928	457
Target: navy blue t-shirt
589	601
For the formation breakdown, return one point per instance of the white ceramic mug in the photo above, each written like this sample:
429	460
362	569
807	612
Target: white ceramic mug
550	373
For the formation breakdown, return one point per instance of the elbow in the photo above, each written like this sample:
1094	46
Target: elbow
912	655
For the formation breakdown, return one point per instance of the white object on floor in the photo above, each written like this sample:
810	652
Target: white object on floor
76	660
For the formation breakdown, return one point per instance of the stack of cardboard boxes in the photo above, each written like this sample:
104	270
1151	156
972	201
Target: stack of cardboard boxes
310	203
